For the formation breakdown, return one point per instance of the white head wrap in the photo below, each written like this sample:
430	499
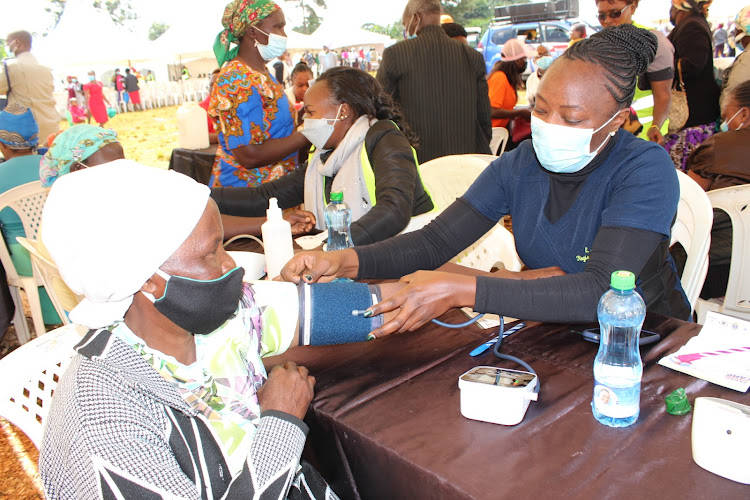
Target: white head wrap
110	227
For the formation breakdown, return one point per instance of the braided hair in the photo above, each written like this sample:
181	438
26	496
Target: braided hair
300	68
365	96
623	52
741	94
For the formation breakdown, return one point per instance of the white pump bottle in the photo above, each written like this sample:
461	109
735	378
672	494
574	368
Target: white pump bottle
277	240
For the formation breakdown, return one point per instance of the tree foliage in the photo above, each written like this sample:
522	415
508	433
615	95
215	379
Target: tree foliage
474	13
310	19
119	11
156	30
394	30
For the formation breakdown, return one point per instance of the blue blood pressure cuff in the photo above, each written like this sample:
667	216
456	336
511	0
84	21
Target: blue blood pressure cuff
326	312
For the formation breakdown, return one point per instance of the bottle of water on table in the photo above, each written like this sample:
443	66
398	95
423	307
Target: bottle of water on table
338	220
618	367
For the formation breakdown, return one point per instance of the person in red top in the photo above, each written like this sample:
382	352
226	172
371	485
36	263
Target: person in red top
95	98
504	82
213	137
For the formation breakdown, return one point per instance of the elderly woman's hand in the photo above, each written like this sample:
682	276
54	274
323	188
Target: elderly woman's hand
289	389
302	221
428	295
312	267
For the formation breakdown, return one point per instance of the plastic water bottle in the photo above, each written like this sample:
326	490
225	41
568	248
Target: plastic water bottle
339	221
277	240
618	367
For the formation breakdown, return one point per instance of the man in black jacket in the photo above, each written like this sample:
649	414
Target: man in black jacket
440	85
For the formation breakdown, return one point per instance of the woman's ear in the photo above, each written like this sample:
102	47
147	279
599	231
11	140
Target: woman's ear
619	119
346	111
155	286
744	116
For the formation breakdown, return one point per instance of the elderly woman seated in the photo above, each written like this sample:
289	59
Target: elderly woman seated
168	394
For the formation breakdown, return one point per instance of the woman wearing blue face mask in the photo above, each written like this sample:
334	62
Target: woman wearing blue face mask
586	199
251	112
362	148
721	161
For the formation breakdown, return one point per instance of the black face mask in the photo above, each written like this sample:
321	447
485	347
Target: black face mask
200	306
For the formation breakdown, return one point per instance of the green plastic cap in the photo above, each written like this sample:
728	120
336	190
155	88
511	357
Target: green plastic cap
622	280
337	196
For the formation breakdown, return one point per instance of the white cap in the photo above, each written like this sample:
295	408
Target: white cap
273	212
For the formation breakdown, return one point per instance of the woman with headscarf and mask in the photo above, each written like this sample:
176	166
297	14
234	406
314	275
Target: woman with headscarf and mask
168	395
694	64
19	138
253	116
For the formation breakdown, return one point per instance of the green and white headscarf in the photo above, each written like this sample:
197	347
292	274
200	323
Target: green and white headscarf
238	16
73	145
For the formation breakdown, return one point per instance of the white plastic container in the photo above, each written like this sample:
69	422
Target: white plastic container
721	438
252	262
192	126
277	240
496	395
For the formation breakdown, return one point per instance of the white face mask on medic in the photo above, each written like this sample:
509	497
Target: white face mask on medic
561	149
319	130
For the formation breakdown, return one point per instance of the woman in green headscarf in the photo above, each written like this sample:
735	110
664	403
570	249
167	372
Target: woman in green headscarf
253	116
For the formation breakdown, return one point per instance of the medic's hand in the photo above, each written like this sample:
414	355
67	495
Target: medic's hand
302	221
289	389
312	267
428	295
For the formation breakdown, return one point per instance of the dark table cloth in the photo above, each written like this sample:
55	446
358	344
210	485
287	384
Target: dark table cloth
386	423
195	163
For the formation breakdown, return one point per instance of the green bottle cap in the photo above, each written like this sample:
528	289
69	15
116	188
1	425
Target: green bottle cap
622	280
337	196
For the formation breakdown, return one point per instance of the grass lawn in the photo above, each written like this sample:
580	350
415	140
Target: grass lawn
148	136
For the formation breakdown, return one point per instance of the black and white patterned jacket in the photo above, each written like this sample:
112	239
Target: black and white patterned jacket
117	429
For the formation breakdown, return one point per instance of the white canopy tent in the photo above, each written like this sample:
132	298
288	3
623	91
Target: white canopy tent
338	34
87	38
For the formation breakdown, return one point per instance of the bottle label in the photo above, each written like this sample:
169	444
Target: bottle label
618	400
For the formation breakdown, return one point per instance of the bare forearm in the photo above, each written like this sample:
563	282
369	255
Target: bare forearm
505	113
234	225
271	151
662	101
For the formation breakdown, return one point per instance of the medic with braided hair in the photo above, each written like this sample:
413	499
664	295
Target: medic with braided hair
586	199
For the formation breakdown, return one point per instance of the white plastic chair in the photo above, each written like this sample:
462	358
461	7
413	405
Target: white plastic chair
735	201
30	375
499	137
27	201
62	297
491	250
449	177
692	229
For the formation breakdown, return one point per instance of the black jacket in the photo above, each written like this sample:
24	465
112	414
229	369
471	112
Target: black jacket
441	85
693	47
399	192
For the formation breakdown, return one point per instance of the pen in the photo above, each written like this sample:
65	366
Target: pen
479	350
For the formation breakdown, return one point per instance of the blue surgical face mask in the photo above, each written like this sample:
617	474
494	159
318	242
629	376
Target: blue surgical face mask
319	130
561	149
92	78
724	127
274	48
414	35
